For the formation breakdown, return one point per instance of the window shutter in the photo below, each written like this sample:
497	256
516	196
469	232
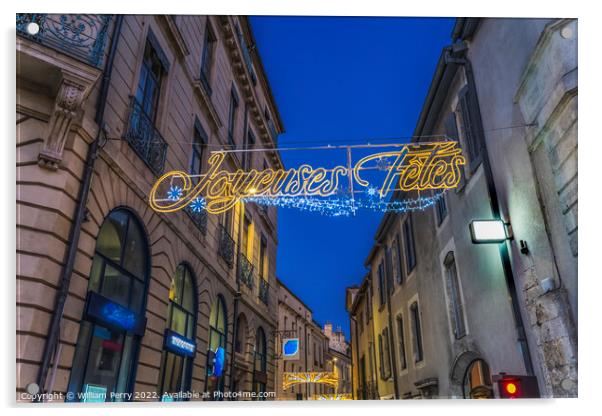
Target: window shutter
451	129
469	110
389	270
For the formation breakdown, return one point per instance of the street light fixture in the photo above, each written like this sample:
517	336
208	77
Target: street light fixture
489	231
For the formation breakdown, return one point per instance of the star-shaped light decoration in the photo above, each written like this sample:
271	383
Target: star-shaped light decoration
382	163
174	193
198	204
372	191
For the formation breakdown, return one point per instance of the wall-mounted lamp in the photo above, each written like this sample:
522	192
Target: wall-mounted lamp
489	231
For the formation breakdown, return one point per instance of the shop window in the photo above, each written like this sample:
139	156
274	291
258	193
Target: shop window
218	330
178	353
113	320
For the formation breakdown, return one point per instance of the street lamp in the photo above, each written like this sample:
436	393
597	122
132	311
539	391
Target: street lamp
489	231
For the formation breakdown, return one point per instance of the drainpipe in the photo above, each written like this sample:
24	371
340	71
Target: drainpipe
236	300
495	208
80	213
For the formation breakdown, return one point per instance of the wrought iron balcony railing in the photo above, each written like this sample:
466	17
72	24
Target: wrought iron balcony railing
225	246
145	139
198	218
81	36
245	270
263	290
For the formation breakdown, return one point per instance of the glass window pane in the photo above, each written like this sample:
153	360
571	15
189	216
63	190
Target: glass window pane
178	321
104	359
116	286
137	299
188	293
134	253
95	274
111	234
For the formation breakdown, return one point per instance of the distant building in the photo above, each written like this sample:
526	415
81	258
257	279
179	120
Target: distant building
113	297
339	360
295	320
437	315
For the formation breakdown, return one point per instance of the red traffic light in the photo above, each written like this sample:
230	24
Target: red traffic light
510	388
516	387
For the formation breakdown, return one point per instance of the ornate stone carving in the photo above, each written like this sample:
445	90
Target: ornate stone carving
66	107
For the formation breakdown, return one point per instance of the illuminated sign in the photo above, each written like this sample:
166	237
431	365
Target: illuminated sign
111	314
290	349
291	379
179	344
422	167
219	361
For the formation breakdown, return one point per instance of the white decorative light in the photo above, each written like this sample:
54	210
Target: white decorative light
488	231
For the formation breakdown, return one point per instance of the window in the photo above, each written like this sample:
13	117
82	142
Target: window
119	276
218	329
263	258
389	269
232	116
149	83
246	242
455	297
207	57
386	364
416	332
247	157
260	363
381	284
198	149
399	261
477	381
451	129
176	369
471	126
410	251
441	209
384	355
402	344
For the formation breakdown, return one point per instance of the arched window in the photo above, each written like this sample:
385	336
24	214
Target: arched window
176	367
260	363
218	330
113	320
477	381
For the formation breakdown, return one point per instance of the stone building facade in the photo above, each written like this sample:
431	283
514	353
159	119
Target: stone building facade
338	359
112	296
295	320
444	315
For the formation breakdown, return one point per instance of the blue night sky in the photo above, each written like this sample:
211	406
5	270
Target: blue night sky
341	80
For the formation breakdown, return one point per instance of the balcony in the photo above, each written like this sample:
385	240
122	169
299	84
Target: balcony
145	139
245	271
81	36
225	246
263	290
198	218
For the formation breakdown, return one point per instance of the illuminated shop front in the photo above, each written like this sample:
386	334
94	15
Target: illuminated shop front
218	329
113	320
179	339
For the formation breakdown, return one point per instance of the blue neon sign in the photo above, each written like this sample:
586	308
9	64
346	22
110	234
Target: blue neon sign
219	361
290	347
111	314
179	344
